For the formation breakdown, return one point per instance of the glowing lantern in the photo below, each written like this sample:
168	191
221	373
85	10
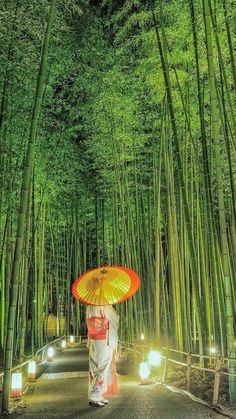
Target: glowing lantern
154	358
32	370
63	344
144	372
142	336
72	339
16	385
212	350
50	353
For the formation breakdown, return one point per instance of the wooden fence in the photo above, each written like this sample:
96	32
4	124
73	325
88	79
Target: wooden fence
40	356
218	368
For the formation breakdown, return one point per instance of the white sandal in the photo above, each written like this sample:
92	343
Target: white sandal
105	401
96	403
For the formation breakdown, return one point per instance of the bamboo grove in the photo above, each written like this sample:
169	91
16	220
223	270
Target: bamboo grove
117	142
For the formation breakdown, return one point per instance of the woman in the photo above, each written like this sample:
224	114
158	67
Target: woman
102	323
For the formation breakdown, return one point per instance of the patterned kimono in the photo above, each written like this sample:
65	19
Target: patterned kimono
102	369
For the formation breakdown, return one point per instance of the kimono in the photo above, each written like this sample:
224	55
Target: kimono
102	322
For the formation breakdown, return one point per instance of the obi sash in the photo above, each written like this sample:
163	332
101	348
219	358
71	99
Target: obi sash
97	327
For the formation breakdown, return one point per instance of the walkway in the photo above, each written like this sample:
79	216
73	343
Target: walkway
61	392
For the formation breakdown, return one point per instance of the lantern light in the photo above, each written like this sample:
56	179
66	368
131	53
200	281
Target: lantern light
72	339
16	385
50	353
32	370
154	358
142	336
63	344
144	372
212	350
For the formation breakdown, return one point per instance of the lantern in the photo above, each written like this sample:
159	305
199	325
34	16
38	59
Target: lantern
144	372
16	385
32	371
50	353
72	339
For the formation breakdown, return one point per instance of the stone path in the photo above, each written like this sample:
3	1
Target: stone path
61	392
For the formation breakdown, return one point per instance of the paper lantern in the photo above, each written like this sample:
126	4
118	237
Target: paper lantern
144	372
32	370
16	385
50	353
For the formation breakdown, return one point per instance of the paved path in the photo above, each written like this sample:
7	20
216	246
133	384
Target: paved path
66	397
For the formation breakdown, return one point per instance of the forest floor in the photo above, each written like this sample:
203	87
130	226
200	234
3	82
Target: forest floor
65	396
202	387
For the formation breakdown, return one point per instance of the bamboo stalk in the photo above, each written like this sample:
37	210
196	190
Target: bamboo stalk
22	212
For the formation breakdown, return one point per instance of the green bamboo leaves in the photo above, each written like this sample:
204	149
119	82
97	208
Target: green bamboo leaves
28	166
135	166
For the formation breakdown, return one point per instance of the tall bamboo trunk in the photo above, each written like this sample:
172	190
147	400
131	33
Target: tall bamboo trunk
23	319
176	149
221	205
22	210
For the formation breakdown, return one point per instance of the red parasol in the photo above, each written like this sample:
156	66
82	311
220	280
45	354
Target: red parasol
106	285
